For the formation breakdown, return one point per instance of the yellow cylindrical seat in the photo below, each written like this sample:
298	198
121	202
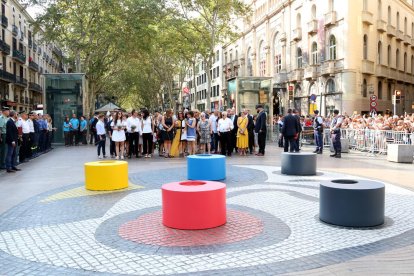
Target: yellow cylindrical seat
106	175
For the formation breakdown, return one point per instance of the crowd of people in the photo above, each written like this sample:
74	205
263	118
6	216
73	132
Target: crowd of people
140	133
291	126
24	136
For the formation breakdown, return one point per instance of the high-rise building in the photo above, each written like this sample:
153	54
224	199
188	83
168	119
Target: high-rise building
24	57
347	55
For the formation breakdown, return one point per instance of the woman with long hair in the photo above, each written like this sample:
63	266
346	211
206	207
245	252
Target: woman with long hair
191	124
176	145
118	135
168	132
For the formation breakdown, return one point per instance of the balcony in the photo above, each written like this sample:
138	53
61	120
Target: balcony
330	18
407	39
35	87
296	75
391	31
21	81
381	25
297	34
57	51
6	76
34	66
15	30
328	68
4	21
4	47
313	27
367	18
19	56
381	71
281	77
367	67
399	36
311	72
392	73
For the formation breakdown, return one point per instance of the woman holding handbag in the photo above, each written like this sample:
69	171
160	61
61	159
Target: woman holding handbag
242	134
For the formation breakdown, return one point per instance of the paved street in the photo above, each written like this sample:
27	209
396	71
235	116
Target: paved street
50	225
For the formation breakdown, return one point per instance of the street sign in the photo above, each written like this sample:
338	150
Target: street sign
290	87
373	98
373	104
186	90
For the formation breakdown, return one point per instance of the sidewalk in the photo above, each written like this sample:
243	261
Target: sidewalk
50	226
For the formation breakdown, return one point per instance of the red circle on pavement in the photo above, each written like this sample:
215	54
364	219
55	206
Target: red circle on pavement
148	229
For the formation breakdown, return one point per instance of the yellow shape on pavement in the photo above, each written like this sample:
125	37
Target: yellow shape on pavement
81	191
106	175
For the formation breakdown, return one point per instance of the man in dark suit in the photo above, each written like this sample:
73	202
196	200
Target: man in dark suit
297	140
12	137
233	138
260	128
290	130
250	130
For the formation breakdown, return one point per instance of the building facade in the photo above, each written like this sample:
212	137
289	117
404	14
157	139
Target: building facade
24	58
347	55
194	92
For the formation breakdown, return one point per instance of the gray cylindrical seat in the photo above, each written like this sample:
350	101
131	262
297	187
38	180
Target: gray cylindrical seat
352	203
295	163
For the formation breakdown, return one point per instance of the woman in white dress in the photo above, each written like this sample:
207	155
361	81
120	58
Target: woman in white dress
118	136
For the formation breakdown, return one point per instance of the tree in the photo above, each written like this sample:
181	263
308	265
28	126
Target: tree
212	22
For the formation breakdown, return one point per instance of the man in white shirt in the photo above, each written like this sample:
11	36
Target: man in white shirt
224	126
101	135
214	134
134	130
25	147
31	134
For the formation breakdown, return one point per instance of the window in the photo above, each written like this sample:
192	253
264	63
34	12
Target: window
217	55
380	90
313	11
412	29
364	89
398	21
405	62
379	52
298	20
397	59
379	9
389	92
331	5
237	55
389	15
262	59
299	58
314	53
365	5
277	55
389	55
332	48
412	65
405	25
330	86
365	48
249	63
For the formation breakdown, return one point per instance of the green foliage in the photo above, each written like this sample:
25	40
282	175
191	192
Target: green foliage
133	49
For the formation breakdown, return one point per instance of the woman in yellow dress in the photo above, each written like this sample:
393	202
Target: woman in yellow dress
242	134
175	147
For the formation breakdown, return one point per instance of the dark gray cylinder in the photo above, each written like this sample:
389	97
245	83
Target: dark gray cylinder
295	163
352	203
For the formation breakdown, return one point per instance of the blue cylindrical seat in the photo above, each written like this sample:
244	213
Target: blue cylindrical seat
206	167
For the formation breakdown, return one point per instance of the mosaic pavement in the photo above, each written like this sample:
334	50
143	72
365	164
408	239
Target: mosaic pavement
273	228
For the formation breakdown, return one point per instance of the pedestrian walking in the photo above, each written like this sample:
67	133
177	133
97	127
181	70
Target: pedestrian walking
4	117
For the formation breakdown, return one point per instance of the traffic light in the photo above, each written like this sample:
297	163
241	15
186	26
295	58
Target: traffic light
290	95
397	96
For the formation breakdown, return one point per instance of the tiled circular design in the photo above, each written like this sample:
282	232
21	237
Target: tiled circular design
148	229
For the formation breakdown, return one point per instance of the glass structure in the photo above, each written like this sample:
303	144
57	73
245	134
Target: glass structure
64	97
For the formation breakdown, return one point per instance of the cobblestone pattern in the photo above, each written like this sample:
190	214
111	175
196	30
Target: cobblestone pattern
71	239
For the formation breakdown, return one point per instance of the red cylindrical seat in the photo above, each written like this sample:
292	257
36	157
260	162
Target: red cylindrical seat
193	205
